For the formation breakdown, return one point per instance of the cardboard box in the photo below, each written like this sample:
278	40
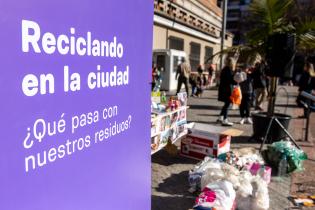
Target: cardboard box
197	148
207	140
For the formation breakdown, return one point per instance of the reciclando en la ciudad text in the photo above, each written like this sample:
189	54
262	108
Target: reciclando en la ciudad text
33	85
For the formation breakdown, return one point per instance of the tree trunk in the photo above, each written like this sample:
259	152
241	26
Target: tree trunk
272	96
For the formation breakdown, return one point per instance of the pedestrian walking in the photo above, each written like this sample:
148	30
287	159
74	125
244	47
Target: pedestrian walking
182	75
210	74
260	84
201	82
193	84
307	84
247	91
154	74
225	90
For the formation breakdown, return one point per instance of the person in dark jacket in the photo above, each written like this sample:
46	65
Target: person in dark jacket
210	74
225	90
259	84
247	91
193	84
200	82
307	84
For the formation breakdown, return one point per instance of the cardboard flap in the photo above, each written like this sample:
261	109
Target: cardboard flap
232	132
215	129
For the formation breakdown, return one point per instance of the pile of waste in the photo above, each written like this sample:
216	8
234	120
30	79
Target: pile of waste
238	180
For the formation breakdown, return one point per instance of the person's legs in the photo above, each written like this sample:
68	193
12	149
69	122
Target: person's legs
224	114
193	90
153	85
242	111
210	81
246	105
259	97
253	99
185	81
242	108
225	108
179	84
263	96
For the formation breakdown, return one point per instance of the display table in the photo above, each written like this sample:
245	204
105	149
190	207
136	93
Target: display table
167	127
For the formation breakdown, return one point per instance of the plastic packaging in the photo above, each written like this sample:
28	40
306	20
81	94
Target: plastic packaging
244	202
211	175
225	194
245	189
260	194
236	96
200	170
283	165
294	156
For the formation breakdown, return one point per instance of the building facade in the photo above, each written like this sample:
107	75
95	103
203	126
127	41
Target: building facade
192	26
237	12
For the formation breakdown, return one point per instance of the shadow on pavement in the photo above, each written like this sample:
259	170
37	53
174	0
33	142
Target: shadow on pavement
176	184
287	105
200	107
218	114
205	122
171	203
165	159
208	98
244	140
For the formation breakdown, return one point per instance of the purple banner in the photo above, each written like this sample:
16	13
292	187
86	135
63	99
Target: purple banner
75	104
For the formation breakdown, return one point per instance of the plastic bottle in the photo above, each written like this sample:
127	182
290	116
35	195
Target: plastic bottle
261	171
282	167
163	97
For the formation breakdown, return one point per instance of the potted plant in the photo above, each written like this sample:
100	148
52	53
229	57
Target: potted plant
268	18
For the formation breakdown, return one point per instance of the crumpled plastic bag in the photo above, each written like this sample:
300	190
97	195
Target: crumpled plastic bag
260	194
225	194
244	202
211	175
231	174
258	199
200	170
245	189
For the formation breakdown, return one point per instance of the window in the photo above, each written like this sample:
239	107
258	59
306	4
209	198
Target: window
176	43
194	57
208	53
231	25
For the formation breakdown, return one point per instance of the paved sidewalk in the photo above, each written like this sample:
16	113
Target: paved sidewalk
170	173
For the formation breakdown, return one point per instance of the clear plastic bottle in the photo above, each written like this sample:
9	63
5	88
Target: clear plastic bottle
163	97
261	171
283	165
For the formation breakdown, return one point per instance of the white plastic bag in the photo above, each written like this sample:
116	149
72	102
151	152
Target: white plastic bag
260	194
211	175
225	194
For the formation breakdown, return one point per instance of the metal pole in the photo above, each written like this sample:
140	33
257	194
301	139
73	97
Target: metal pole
223	30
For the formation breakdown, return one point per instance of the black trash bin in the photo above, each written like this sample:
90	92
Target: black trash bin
260	124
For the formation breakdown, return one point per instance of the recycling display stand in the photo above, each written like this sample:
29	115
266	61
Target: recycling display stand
169	124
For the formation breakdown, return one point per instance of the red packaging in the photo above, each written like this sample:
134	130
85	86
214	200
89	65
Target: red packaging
198	147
